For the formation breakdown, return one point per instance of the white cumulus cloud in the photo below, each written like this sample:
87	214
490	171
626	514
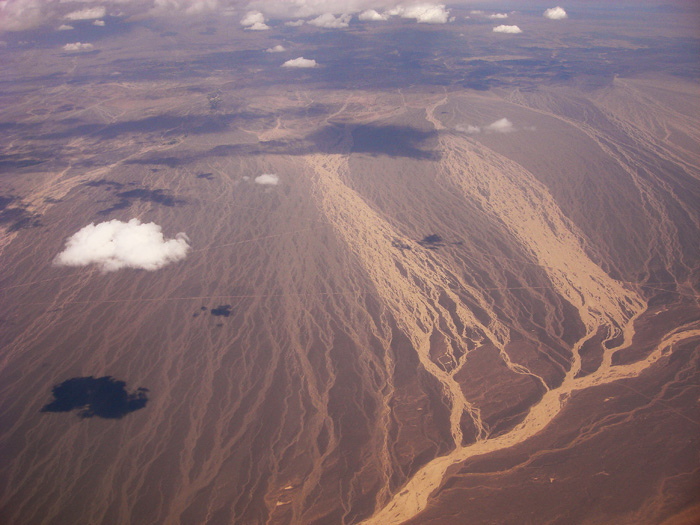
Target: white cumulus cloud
89	13
507	29
300	62
500	126
469	129
555	13
423	13
328	21
277	49
267	179
98	23
371	15
114	245
499	15
196	7
295	23
64	27
188	7
254	21
296	9
77	46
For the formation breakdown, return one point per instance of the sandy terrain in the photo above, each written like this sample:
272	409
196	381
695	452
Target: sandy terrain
418	323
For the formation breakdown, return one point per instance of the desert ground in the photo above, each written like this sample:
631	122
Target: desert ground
453	304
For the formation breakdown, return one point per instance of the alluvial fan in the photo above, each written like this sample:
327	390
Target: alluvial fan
310	302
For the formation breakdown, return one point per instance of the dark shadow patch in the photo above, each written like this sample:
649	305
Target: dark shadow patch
206	176
392	141
270	147
223	310
157	196
202	309
103	397
127	198
15	216
432	241
389	140
164	124
6	200
18	161
109	184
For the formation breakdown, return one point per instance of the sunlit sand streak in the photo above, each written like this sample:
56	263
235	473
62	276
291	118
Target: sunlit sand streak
525	206
665	243
515	197
623	105
413	497
416	309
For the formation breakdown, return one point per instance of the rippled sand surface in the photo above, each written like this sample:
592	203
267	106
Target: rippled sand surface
415	323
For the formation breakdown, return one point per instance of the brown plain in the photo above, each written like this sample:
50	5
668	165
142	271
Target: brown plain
540	365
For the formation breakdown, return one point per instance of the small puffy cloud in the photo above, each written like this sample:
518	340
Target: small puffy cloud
188	7
254	21
295	23
114	245
300	62
267	179
77	47
89	13
555	13
469	129
252	17
65	27
507	29
498	15
423	13
500	126
99	23
371	15
277	49
197	7
328	21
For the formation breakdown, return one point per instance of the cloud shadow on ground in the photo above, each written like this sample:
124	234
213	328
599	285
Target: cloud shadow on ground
103	397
